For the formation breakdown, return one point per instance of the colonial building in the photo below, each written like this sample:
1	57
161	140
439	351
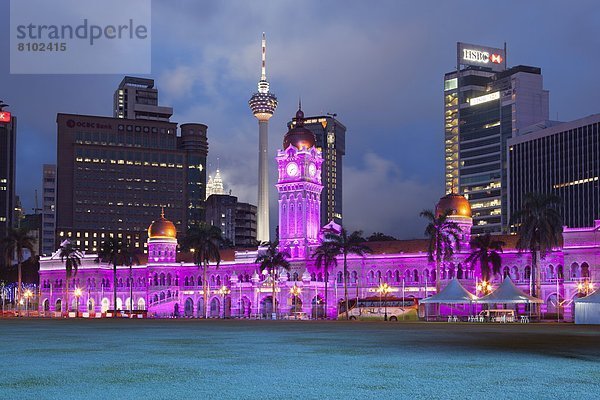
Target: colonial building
168	283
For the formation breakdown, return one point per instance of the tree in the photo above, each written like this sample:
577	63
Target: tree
72	259
344	244
486	251
539	230
271	260
130	256
443	236
326	257
380	237
110	252
14	245
204	241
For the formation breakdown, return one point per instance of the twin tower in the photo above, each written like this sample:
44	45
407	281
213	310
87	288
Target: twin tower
299	180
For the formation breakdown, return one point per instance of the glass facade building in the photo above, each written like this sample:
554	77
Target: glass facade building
331	140
563	159
483	108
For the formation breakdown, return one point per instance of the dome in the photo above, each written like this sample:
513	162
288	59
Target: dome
162	228
299	136
457	203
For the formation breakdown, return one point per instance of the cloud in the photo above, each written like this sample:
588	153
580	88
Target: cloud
378	196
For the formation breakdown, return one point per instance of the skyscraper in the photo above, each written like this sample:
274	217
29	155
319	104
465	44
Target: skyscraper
137	98
114	175
8	144
485	104
263	105
48	245
561	159
330	137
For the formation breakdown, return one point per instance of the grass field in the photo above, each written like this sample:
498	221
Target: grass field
194	359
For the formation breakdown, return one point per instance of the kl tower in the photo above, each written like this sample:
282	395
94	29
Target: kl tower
263	105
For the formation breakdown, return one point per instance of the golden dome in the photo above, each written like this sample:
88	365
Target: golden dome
455	202
162	228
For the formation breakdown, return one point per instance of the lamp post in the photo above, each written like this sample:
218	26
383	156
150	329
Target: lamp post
585	288
28	295
77	292
295	292
384	289
224	291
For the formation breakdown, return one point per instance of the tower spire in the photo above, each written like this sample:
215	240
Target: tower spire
263	76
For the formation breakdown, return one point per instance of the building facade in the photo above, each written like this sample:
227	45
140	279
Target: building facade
168	283
137	98
8	146
114	174
330	137
236	220
561	159
485	104
48	245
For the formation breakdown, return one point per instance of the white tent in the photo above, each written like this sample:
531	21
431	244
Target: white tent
453	293
587	309
508	293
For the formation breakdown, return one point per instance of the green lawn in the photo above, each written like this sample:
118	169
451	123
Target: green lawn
194	359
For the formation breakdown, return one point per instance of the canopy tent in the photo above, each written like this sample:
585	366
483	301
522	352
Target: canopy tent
508	293
587	309
453	293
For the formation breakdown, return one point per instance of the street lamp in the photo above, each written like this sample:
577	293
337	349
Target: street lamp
585	288
295	292
484	287
224	291
384	289
28	295
77	292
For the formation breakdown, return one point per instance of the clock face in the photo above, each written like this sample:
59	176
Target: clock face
292	169
312	169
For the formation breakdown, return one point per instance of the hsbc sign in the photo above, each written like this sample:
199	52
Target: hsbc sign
481	56
4	117
469	54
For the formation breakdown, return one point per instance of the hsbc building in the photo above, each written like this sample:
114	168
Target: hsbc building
486	102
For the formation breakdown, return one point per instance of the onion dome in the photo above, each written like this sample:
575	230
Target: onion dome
299	136
162	228
457	203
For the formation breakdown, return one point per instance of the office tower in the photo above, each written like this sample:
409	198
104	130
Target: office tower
114	175
215	185
331	139
562	159
236	220
48	245
137	98
263	105
485	104
8	144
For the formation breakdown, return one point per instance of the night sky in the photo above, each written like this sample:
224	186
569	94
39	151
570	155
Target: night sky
378	65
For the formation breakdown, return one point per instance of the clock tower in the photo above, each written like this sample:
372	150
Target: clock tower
299	187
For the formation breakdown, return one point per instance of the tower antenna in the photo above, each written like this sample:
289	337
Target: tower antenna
263	76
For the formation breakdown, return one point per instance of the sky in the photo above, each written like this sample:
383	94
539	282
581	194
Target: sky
378	65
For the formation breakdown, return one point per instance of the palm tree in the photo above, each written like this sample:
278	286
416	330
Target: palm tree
486	251
129	256
344	244
326	257
540	230
110	252
444	238
205	241
72	259
14	244
271	260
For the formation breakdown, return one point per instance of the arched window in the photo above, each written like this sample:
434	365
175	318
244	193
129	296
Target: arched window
585	270
218	280
313	277
162	279
505	272
155	279
247	278
378	276
559	272
415	275
295	276
200	281
186	282
527	272
354	277
340	277
371	276
397	274
170	279
389	276
574	270
550	272
320	277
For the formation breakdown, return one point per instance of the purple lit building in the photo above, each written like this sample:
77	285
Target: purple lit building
168	283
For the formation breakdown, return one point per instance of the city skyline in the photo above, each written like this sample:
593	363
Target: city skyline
385	89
